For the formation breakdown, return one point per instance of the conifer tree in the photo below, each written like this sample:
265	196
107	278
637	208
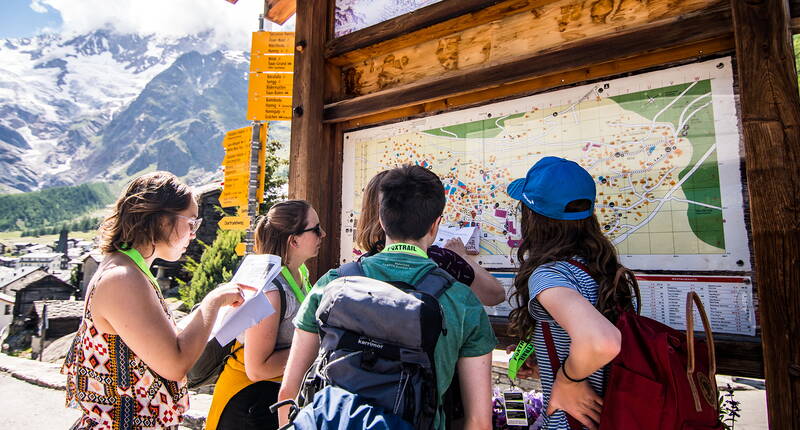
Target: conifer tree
215	267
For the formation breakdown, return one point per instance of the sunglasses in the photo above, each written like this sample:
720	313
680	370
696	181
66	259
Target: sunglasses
316	229
194	223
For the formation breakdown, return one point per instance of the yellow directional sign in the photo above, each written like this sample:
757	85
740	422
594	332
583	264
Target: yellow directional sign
237	144
240	249
272	42
240	136
239	223
272	63
270	84
230	200
269	109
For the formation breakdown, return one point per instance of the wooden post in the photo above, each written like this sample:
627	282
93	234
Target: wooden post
771	126
312	154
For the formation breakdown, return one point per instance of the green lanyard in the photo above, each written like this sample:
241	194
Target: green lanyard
406	248
299	293
523	351
139	260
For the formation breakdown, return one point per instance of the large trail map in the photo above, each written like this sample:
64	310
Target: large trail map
663	148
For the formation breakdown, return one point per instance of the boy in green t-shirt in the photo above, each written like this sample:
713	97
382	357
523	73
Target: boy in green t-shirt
412	201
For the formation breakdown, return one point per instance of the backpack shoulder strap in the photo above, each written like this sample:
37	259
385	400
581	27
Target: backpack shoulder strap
282	294
435	282
350	269
555	364
581	266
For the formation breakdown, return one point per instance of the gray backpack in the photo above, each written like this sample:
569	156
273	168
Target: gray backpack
377	340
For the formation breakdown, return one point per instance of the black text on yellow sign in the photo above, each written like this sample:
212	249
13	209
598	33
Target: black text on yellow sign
269	109
237	167
272	42
272	63
238	223
270	84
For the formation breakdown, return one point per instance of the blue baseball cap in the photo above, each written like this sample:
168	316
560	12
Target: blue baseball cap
551	184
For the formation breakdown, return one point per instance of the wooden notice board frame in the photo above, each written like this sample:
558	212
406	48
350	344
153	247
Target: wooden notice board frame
337	89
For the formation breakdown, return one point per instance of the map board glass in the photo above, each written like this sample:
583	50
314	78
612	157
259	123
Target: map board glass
352	15
663	148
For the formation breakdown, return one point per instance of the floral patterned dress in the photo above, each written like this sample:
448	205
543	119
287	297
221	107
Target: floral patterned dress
113	387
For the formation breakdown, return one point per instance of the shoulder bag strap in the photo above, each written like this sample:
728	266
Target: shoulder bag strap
282	294
555	364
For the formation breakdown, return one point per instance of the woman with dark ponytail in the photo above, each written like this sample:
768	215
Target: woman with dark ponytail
571	282
249	382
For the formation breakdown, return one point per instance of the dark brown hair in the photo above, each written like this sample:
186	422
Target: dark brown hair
370	236
546	240
139	211
283	220
412	197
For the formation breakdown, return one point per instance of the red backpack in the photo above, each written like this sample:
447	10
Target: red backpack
662	379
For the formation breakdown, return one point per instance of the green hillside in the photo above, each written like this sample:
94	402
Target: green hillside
52	206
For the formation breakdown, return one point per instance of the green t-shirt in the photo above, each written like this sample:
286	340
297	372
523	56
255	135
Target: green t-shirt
469	333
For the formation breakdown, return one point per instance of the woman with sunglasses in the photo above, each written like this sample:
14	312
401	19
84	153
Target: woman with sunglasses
128	351
249	383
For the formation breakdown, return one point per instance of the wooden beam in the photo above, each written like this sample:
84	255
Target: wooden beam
554	80
700	26
736	355
794	8
279	11
530	30
312	152
771	129
404	24
794	25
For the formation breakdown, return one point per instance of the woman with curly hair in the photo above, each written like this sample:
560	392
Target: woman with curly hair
570	281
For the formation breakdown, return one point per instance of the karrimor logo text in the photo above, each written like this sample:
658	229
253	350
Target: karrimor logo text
365	341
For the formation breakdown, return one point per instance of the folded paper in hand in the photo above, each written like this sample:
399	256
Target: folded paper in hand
470	236
256	271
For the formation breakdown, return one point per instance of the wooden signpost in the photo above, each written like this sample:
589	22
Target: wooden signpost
269	99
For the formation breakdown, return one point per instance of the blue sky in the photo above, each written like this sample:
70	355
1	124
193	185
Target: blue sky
17	19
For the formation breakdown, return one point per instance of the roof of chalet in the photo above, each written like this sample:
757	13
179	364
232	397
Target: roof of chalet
26	279
58	309
41	255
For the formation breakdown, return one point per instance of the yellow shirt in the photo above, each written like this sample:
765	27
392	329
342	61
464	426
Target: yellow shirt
232	379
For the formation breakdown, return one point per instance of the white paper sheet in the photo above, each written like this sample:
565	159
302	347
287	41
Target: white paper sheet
256	271
468	235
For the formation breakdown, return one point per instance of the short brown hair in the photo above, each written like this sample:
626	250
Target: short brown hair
138	212
412	197
283	220
369	233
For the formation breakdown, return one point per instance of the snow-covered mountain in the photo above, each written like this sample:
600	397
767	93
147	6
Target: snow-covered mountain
104	106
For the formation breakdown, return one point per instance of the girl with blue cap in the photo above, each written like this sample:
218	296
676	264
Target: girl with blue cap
570	281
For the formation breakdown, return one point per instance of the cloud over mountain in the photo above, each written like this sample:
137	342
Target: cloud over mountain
228	25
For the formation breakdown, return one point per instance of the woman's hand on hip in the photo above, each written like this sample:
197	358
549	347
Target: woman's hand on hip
578	399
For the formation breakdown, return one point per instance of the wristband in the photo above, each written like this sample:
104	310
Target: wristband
564	371
523	351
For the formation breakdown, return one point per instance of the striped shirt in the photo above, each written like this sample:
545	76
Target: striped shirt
558	274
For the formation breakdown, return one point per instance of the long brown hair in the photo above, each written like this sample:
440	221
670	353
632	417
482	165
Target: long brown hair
546	240
139	211
370	236
282	221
